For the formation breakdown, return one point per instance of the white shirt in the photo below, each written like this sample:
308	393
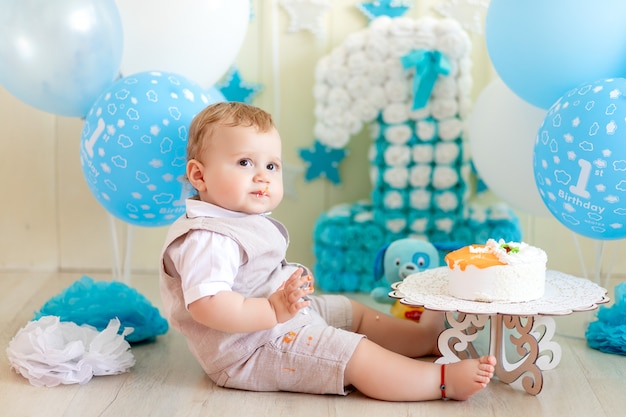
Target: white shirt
206	261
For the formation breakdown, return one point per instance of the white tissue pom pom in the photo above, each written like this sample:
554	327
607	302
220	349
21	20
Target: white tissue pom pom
419	225
373	174
365	110
381	24
357	63
420	175
400	46
355	42
395	113
465	84
445	88
428	23
444	225
398	134
395	70
446	152
331	135
420	114
465	107
377	48
420	199
337	58
338	116
319	110
424	38
447	201
376	74
322	69
338	100
444	177
466	169
320	93
352	122
378	97
338	76
444	108
397	90
393	200
402	27
48	352
465	66
425	130
358	87
397	155
396	177
396	225
422	154
363	217
450	129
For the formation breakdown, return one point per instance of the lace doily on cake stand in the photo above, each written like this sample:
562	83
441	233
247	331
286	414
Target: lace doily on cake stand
529	323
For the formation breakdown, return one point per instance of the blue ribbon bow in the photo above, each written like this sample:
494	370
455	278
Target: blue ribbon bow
428	65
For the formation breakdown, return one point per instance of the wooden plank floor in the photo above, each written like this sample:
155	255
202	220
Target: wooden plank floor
167	382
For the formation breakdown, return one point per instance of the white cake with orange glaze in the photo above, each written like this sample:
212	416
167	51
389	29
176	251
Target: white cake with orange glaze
497	271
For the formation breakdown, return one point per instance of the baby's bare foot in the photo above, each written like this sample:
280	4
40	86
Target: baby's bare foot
467	377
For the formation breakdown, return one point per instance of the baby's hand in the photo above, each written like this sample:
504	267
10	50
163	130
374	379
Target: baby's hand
291	297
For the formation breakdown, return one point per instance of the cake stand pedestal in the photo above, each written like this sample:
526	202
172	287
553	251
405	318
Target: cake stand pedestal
527	326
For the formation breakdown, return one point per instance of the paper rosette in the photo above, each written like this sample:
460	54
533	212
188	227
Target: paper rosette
49	352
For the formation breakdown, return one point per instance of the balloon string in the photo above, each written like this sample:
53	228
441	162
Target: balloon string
276	63
116	269
599	254
127	256
580	255
609	270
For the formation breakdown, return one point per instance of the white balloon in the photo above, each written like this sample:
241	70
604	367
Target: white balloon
501	132
199	39
59	56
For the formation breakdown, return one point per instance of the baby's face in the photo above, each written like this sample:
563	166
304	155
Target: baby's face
240	170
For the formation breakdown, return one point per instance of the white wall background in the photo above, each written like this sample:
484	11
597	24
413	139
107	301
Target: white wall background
50	221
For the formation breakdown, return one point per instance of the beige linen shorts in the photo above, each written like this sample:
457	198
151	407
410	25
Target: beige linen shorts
310	360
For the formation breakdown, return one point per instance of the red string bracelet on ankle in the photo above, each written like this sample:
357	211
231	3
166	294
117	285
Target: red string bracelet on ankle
442	387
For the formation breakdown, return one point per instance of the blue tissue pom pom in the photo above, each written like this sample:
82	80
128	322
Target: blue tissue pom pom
608	334
96	303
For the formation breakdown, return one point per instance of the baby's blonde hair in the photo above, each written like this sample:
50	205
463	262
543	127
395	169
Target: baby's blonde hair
229	114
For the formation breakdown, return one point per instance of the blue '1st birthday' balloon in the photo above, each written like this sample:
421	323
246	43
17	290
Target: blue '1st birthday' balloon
579	159
133	146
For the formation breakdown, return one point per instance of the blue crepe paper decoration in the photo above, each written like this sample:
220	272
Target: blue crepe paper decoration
97	302
236	89
608	333
391	8
321	161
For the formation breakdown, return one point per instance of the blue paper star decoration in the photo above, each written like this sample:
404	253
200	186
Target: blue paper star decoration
306	14
236	89
391	8
322	160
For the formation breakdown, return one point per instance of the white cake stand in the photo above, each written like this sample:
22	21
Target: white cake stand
530	323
